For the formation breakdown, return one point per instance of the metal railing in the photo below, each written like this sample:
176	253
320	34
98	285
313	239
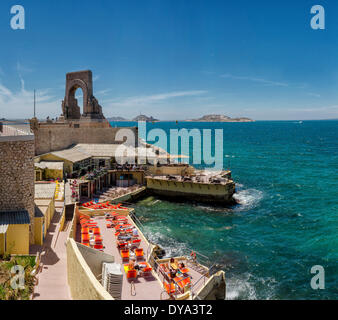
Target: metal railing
137	220
205	276
193	294
203	258
200	255
177	292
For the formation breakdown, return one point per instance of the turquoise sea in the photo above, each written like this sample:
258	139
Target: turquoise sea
286	174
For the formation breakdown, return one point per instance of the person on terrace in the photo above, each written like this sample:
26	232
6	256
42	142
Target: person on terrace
135	232
173	273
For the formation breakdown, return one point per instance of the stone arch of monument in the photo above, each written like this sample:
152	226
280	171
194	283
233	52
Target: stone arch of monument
91	107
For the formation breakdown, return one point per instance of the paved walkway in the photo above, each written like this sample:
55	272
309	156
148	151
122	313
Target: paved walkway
52	279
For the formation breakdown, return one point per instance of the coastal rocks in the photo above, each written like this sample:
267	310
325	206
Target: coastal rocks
158	252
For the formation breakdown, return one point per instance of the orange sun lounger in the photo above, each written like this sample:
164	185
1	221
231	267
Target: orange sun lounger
97	230
89	225
122	245
170	288
131	274
146	271
136	243
98	239
84	230
85	237
125	254
138	253
186	282
184	270
98	247
121	218
82	217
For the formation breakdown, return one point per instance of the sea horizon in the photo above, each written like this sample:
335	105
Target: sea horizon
122	121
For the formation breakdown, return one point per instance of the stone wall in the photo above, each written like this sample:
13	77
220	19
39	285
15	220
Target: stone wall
17	176
81	280
94	259
214	289
59	136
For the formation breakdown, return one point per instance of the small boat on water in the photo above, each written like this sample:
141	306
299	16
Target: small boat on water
144	273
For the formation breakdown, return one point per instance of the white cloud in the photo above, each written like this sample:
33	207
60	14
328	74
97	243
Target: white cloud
14	105
254	79
145	100
102	92
313	94
23	69
19	104
5	92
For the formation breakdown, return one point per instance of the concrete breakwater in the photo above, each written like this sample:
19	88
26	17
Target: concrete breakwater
203	192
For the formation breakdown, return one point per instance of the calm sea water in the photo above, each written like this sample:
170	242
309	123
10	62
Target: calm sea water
287	219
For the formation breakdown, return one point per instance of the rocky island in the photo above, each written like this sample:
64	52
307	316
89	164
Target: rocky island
142	117
116	119
220	118
206	118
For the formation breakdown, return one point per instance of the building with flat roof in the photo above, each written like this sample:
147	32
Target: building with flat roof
49	170
14	232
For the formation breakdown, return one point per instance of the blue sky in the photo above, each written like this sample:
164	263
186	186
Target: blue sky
173	59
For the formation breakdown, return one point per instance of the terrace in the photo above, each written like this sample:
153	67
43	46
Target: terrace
141	288
115	192
153	283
